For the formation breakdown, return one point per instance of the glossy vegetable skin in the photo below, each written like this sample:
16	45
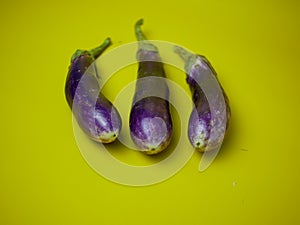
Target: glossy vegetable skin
150	118
98	118
200	121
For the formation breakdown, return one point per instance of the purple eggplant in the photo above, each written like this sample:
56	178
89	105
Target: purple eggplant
95	114
150	119
200	121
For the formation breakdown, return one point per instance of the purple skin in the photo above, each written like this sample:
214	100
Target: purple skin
200	121
98	118
150	119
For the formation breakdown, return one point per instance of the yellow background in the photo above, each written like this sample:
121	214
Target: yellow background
254	47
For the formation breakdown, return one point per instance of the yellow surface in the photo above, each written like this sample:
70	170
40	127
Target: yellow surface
253	45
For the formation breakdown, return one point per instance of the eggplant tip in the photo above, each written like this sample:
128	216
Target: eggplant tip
107	137
156	149
151	149
200	148
199	145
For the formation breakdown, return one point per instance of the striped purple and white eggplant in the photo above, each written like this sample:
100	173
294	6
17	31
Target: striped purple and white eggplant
150	118
200	121
94	113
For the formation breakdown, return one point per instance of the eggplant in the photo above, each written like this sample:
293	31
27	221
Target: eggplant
94	113
200	121
150	119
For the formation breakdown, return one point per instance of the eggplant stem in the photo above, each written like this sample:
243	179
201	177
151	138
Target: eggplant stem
138	31
96	52
188	57
184	54
144	44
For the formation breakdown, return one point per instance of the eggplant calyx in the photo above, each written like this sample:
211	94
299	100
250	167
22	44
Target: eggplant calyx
78	53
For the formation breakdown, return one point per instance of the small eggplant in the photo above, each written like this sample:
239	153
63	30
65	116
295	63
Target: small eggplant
97	118
150	119
200	121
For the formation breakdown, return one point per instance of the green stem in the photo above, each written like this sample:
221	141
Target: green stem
96	52
189	58
144	44
184	54
138	31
